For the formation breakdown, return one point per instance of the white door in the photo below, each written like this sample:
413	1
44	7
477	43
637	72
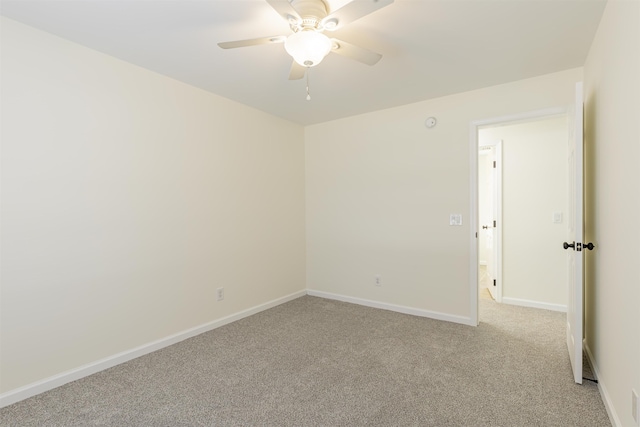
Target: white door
575	254
490	218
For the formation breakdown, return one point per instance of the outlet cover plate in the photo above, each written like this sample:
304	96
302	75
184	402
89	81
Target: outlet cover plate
455	219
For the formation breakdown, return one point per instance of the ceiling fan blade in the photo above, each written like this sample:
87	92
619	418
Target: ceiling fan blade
357	53
297	71
352	11
252	42
284	9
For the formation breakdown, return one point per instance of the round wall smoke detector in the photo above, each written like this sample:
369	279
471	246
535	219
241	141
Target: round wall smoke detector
430	122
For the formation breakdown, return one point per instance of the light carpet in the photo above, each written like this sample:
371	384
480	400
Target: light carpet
317	362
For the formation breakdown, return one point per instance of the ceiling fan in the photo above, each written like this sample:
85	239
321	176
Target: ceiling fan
308	19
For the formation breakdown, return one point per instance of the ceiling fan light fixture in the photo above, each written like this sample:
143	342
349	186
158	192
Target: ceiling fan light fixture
308	47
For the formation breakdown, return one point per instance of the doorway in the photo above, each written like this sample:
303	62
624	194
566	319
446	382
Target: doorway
516	244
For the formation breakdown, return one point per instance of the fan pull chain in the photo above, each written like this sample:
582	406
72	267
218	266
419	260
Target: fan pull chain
308	94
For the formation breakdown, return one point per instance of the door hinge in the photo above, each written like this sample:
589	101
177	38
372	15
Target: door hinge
578	247
494	282
495	224
494	164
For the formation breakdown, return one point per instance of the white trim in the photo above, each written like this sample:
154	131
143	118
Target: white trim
606	399
474	126
499	229
522	117
46	384
534	304
392	307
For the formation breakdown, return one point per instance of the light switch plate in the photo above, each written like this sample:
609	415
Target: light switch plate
557	217
455	219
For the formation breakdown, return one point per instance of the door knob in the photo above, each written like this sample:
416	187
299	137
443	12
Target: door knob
484	227
589	246
569	245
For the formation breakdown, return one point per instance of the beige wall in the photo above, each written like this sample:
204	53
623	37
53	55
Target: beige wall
612	117
381	187
534	186
127	199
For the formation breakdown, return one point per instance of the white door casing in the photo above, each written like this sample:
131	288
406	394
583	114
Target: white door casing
475	230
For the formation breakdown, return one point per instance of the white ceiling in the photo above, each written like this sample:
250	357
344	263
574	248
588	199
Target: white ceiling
431	48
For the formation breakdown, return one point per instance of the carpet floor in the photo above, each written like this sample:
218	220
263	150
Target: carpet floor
318	362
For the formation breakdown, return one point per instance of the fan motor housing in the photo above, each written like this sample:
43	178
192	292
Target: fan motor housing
311	12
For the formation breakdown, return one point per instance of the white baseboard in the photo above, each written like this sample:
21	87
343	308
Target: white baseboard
392	307
534	304
46	384
613	416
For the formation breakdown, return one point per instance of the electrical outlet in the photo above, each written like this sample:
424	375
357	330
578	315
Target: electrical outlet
635	406
219	294
378	280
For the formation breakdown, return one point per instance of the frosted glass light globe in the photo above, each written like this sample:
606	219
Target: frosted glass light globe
307	47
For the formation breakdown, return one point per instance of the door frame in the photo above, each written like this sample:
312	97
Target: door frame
474	127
